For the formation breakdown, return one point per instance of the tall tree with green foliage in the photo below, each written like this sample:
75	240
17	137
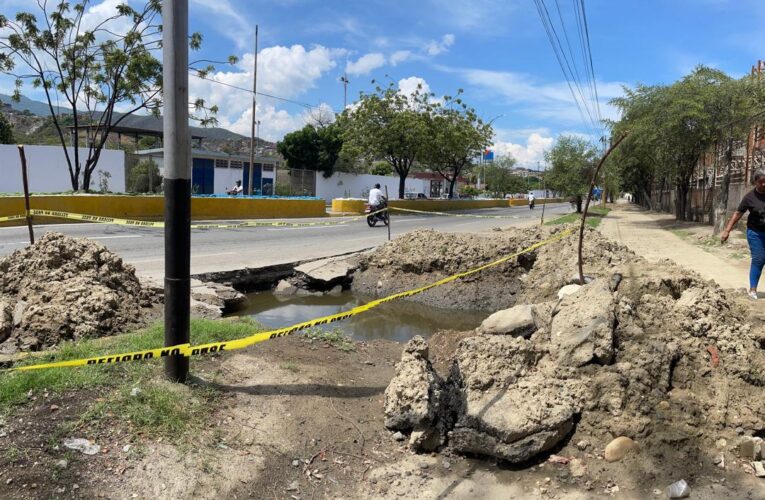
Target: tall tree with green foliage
314	147
500	180
670	127
572	163
6	130
456	137
387	125
92	68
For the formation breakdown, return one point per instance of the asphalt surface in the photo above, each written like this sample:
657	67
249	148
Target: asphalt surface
225	250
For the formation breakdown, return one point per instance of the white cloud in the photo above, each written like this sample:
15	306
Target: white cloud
409	86
527	155
400	56
433	48
283	71
365	64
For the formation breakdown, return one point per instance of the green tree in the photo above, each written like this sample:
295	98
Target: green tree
6	130
144	178
312	148
381	168
572	161
500	180
387	125
94	70
456	136
670	127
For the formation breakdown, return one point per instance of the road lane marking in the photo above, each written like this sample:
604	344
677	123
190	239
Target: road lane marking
86	237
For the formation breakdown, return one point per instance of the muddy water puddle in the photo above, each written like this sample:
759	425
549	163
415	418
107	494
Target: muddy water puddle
397	320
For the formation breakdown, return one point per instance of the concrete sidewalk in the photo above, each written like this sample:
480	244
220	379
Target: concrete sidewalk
645	233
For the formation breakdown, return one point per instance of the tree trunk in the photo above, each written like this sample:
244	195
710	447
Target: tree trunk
721	205
721	208
401	185
451	187
579	203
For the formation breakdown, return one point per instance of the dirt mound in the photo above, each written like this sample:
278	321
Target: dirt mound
648	351
63	288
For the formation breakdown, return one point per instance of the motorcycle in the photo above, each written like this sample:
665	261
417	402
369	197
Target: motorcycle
373	218
531	204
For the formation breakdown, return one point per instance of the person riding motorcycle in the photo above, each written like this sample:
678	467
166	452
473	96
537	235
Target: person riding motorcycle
377	199
531	201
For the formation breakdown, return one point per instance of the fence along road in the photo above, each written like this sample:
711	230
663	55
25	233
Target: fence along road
225	250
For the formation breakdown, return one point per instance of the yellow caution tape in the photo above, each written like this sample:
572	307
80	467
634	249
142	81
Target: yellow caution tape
230	345
12	217
95	218
475	216
157	224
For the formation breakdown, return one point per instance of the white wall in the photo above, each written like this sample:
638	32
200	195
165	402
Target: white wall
345	185
47	169
225	178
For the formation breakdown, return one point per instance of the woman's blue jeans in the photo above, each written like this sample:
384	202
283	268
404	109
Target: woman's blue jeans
756	241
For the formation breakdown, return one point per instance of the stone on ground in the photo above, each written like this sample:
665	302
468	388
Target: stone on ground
519	321
619	448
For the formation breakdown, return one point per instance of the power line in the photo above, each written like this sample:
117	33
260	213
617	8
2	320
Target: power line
249	91
587	101
559	52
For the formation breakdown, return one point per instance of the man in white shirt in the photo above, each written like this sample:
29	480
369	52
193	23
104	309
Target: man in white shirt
376	197
531	200
237	189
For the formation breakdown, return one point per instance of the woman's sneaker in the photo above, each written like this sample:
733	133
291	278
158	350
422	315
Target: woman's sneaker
752	295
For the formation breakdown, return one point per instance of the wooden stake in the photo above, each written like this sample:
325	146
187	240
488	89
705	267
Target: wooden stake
26	193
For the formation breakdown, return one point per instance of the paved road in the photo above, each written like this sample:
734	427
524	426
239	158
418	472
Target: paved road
223	250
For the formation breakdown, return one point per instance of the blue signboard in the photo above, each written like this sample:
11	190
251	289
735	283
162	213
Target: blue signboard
488	155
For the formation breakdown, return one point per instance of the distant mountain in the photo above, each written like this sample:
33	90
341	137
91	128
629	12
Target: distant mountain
35	107
214	138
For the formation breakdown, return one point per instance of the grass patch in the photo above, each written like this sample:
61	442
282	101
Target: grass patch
738	256
681	233
290	367
15	386
335	337
594	216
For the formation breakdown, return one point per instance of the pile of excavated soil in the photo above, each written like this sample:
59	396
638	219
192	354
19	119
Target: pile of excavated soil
63	288
650	352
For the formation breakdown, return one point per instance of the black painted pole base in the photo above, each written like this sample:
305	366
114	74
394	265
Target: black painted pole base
177	271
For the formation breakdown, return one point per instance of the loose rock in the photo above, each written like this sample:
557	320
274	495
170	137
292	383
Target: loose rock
618	448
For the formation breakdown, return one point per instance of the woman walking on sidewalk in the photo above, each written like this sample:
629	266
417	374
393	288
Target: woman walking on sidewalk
754	203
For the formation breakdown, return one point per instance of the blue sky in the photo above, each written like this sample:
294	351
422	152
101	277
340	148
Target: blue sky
496	50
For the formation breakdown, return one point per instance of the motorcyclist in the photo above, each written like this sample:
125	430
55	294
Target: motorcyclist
531	201
377	199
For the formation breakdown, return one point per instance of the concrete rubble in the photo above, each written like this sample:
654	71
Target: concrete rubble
63	288
642	356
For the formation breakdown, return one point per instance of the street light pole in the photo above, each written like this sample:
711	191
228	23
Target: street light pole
254	106
177	182
345	81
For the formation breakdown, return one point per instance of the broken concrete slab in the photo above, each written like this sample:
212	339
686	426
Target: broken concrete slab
517	422
327	273
518	321
582	330
285	288
414	399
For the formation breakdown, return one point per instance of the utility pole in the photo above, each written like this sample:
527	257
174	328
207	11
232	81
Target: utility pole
177	153
254	105
345	81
